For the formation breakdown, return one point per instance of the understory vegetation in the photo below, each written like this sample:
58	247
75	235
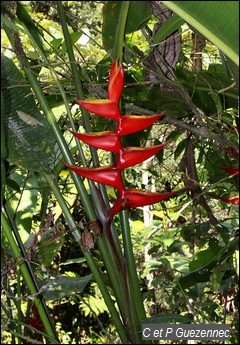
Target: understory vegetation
70	274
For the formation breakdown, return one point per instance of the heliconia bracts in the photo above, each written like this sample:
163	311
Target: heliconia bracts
111	141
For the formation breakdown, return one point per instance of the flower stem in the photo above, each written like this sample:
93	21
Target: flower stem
96	274
120	33
124	219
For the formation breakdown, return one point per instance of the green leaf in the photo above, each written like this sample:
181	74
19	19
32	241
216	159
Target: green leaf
177	245
25	202
29	139
7	23
201	259
180	148
28	22
197	276
56	43
93	304
13	185
74	37
48	247
57	287
216	20
167	28
139	13
217	275
73	261
179	264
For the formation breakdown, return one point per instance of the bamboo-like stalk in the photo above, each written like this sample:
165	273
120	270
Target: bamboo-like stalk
80	95
38	92
90	261
113	262
135	292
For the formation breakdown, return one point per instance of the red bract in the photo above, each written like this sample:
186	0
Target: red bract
111	141
232	151
116	80
234	200
130	156
102	140
36	322
131	198
101	107
108	175
232	170
129	124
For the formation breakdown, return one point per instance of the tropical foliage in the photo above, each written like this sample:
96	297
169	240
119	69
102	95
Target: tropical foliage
119	161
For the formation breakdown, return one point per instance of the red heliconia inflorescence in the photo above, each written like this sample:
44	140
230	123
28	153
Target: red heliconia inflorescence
234	200
111	141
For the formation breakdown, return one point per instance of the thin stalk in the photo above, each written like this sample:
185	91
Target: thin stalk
96	274
109	258
120	33
27	276
116	276
60	141
131	264
9	313
79	93
73	64
33	35
135	292
16	43
18	304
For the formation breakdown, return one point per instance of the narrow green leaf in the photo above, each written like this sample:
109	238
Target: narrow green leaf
167	28
27	20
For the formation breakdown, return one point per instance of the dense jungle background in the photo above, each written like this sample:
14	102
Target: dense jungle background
61	279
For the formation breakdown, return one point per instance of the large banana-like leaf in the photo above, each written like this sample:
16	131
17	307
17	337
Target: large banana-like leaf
215	20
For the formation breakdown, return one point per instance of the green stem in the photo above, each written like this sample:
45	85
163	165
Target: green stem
73	64
30	282
131	264
18	303
120	33
15	41
109	258
135	293
33	33
61	142
90	261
